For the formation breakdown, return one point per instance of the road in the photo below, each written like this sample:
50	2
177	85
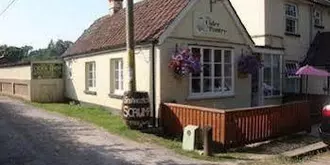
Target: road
322	159
31	136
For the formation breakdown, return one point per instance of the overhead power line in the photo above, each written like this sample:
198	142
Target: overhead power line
8	6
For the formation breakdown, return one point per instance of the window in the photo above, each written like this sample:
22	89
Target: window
317	17
272	82
117	77
91	76
217	77
69	69
291	18
292	81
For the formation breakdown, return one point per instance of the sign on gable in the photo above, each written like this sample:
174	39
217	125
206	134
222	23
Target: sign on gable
205	25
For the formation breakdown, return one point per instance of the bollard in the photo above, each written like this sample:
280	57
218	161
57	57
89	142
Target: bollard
207	140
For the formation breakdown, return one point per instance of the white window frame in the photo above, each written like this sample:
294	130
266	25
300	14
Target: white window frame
213	94
291	17
295	78
93	79
117	91
272	76
319	18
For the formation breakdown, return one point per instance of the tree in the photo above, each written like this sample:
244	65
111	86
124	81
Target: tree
53	51
12	54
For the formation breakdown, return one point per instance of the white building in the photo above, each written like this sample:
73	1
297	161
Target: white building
289	25
97	62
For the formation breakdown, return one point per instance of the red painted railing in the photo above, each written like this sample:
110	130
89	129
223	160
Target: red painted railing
238	127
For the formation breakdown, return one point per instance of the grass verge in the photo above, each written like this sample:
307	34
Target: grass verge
114	124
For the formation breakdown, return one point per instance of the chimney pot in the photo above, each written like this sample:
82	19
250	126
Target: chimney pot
115	6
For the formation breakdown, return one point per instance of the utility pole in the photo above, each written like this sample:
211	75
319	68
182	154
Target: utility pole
130	45
136	105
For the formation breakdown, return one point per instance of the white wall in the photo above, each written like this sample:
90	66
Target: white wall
17	73
76	86
171	88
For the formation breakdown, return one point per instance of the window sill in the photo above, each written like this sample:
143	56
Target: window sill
319	26
292	34
115	96
205	97
273	97
90	92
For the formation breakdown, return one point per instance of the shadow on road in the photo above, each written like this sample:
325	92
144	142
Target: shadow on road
30	136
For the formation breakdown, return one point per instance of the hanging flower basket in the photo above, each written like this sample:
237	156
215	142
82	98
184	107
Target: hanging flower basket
248	64
184	62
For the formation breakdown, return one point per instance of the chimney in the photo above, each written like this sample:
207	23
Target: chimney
115	6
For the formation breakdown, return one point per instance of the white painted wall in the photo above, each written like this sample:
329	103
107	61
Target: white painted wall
17	73
171	88
75	87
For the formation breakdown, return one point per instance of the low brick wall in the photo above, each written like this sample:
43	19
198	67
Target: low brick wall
17	88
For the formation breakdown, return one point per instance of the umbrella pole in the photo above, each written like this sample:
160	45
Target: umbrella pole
306	88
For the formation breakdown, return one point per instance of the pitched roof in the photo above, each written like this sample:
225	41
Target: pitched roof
151	17
319	52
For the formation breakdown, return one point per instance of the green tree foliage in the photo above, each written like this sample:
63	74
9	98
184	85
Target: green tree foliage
53	51
12	54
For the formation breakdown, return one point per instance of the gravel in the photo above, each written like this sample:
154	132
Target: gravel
31	136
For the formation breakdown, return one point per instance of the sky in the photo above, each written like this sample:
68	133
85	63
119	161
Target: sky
36	22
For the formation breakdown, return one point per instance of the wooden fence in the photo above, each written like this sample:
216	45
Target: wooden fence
239	127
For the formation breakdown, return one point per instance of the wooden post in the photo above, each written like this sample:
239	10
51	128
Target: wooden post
136	105
130	44
207	136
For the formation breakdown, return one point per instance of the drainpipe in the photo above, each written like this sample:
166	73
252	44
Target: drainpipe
311	30
153	90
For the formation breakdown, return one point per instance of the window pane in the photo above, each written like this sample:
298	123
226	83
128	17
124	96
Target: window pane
121	85
277	88
217	56
267	88
291	25
228	84
196	75
207	85
267	60
90	75
291	10
196	85
227	56
276	75
217	70
90	83
206	55
89	67
117	64
121	75
267	74
228	70
196	51
218	85
117	85
116	75
207	71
